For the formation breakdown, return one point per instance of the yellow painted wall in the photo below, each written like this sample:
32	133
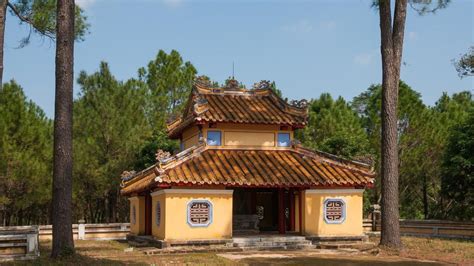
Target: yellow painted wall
193	140
248	135
158	231
138	227
314	223
190	137
239	138
190	131
174	223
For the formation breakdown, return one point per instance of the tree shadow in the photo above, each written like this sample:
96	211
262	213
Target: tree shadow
75	259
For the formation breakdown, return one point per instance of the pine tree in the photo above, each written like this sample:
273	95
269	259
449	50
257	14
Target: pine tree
335	128
110	129
25	159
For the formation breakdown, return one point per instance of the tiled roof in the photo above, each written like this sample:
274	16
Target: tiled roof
295	167
236	105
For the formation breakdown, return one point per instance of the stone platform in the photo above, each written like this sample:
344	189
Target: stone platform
254	242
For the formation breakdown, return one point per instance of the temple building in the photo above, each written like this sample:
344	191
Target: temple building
240	171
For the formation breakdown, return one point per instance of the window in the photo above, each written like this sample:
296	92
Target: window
214	138
199	213
334	211
283	140
158	214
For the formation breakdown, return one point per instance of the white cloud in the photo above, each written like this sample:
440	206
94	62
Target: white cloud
302	26
85	3
173	3
365	59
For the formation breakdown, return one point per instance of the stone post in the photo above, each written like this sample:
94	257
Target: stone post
32	248
81	230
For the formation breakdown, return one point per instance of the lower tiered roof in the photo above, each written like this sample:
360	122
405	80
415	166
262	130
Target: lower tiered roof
293	167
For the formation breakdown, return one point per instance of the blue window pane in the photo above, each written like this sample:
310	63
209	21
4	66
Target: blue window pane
283	139
214	138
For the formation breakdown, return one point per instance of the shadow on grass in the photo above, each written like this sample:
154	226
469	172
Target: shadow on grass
76	259
330	262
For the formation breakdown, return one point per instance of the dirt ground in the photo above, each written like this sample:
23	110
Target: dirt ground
417	251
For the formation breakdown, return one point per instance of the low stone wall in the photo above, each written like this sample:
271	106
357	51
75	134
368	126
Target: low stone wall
82	231
428	228
18	242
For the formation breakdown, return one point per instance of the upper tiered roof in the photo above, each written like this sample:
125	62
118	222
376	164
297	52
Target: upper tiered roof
233	104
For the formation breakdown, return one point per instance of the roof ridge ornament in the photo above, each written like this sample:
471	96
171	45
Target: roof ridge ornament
162	155
200	105
126	175
203	81
301	104
262	85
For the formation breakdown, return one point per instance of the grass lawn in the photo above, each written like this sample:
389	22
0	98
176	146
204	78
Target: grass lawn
443	250
418	251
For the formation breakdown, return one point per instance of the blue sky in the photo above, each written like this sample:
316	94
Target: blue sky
307	47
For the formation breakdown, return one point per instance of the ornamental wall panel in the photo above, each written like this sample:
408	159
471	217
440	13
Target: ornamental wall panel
199	213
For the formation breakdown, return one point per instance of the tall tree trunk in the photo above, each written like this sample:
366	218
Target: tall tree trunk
63	243
391	50
3	16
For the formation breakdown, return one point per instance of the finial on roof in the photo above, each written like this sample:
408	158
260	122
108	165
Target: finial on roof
232	84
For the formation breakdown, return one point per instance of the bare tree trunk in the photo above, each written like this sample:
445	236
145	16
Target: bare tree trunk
391	50
3	16
63	243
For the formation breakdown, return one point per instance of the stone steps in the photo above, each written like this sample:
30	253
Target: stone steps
272	242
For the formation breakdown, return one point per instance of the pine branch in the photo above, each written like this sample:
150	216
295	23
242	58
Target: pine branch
28	21
18	14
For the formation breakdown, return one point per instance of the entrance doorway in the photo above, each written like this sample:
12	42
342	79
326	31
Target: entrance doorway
274	209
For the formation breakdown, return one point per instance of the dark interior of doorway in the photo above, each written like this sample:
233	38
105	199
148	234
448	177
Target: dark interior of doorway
266	204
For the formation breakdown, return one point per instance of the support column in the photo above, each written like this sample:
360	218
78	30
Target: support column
300	202
281	211
291	194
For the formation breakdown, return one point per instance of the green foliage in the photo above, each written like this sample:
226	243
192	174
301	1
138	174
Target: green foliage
25	157
368	105
274	88
465	65
458	171
168	80
110	128
422	7
334	127
147	155
422	136
40	15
